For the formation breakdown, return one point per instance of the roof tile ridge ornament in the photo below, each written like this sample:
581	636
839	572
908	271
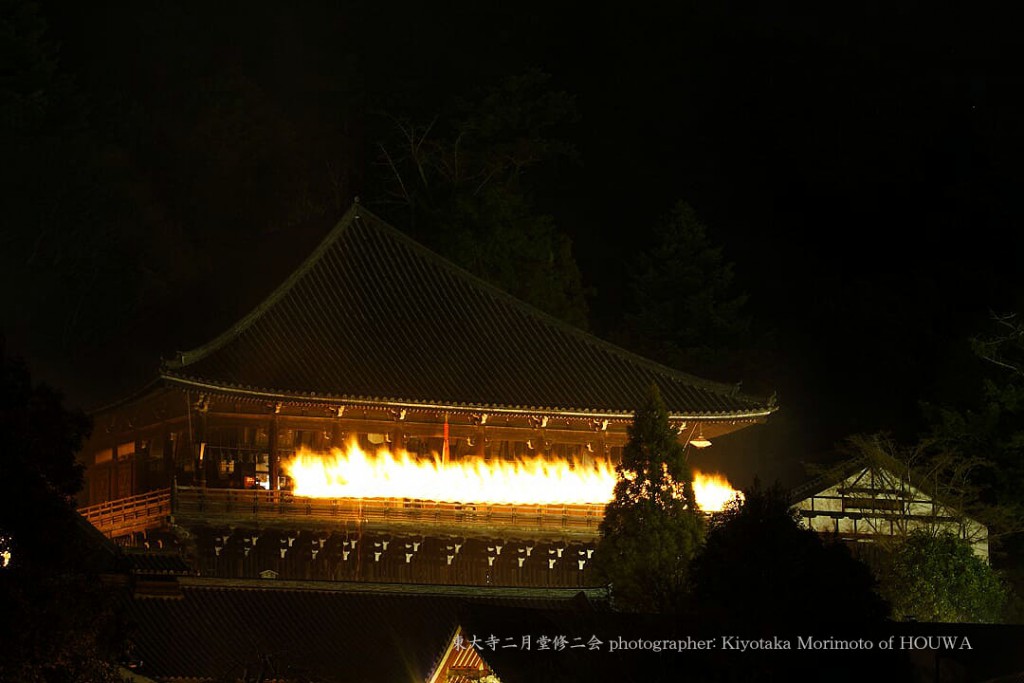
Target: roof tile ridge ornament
186	358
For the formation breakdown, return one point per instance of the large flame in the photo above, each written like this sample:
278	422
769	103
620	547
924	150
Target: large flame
357	474
713	491
537	480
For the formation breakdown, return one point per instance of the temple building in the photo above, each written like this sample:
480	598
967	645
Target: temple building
376	342
872	499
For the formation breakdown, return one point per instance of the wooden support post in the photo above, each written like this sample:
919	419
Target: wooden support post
272	457
201	438
445	449
168	467
337	435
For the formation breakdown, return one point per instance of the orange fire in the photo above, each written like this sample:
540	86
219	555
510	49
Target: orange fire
713	491
537	480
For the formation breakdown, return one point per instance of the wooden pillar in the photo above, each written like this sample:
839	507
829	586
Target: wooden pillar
272	445
445	449
603	446
173	444
480	448
140	466
167	467
201	428
337	435
117	466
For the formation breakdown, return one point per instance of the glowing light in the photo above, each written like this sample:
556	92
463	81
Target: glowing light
713	491
700	442
356	474
537	480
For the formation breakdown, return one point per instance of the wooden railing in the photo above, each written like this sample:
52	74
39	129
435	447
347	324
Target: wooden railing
154	509
129	515
268	506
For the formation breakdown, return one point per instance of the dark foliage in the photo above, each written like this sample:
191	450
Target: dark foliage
461	185
685	310
652	527
760	569
974	444
40	440
126	193
936	577
987	424
58	623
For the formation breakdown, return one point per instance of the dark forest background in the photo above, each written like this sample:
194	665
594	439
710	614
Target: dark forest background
851	179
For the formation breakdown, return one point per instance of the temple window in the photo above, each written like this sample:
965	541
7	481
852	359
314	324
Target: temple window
126	449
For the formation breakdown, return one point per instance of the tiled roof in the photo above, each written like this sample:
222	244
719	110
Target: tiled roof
168	562
219	632
373	317
847	468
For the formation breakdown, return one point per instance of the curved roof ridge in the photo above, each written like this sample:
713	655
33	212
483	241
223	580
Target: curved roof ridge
188	357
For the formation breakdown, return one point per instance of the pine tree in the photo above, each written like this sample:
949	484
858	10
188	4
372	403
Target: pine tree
685	311
652	528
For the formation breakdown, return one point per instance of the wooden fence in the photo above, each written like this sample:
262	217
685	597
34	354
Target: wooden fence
130	515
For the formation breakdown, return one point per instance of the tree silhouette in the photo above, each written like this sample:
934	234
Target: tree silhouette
977	440
59	622
459	185
761	569
685	311
652	527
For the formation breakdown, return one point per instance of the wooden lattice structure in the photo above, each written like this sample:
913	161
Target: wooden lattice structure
865	501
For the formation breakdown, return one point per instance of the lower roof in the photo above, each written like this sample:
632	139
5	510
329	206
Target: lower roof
221	629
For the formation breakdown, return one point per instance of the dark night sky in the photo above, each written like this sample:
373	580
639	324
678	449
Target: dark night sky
859	164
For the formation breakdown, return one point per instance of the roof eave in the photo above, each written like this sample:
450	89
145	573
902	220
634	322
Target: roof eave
284	395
